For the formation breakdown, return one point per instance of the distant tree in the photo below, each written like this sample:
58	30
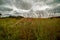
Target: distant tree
0	14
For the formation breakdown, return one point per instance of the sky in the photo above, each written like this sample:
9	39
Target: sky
30	8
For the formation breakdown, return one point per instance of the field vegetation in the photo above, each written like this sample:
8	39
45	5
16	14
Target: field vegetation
29	28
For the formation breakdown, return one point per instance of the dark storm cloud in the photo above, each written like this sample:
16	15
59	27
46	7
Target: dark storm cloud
24	7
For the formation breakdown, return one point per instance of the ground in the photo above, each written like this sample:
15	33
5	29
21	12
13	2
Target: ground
29	28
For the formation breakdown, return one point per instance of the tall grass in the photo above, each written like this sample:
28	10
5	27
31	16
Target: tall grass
29	29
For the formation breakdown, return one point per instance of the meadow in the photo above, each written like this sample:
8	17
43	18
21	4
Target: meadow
29	28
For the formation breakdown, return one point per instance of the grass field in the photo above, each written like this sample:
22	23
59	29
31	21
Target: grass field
29	29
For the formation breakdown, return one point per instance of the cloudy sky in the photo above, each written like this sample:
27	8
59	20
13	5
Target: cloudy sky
30	8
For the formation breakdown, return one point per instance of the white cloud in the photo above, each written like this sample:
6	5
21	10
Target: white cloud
28	8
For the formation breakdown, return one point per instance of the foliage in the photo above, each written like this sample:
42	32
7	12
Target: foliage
29	29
